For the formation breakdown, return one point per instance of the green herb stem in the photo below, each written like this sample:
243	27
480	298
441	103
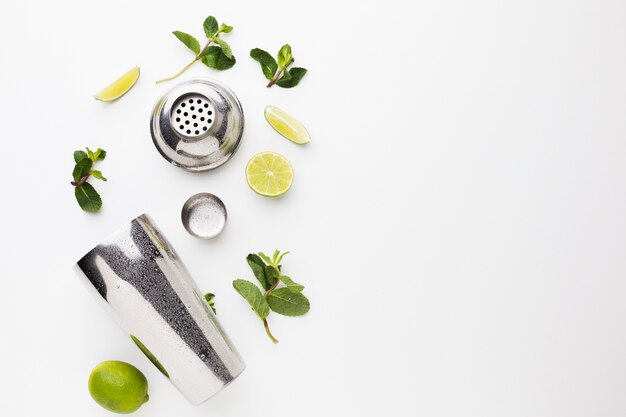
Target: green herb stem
279	72
267	330
270	289
81	182
267	294
178	73
186	67
273	287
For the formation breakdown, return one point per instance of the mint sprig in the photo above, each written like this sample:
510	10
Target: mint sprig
87	197
210	299
277	71
287	299
218	56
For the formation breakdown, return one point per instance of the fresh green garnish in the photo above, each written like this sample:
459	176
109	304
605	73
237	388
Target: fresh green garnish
277	72
210	298
281	294
150	356
218	56
87	197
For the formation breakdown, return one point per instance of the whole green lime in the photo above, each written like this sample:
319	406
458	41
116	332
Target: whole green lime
118	386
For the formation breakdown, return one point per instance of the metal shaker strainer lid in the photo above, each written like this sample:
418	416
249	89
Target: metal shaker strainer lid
197	125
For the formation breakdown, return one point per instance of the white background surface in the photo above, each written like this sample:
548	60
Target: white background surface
458	218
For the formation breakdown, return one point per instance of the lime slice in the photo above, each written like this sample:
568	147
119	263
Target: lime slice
269	174
286	125
119	86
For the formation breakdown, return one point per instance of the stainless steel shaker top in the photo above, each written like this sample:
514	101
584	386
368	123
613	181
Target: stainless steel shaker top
197	125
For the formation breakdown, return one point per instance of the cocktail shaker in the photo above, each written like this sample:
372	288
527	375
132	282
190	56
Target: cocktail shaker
139	279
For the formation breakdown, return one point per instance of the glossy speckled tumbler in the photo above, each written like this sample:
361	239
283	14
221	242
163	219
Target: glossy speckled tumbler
139	279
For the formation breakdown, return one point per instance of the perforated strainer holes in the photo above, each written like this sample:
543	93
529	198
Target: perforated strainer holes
192	115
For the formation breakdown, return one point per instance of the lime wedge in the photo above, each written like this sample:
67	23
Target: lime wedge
119	87
286	125
269	174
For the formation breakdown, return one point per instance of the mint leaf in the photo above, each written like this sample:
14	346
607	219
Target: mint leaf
225	28
210	299
268	63
99	155
97	174
253	295
222	43
291	285
210	26
275	256
271	275
214	57
78	155
287	303
265	258
258	269
91	155
291	77
189	41
87	197
280	258
82	168
150	356
284	56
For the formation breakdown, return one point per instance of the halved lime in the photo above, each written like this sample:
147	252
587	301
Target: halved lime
269	174
286	125
120	86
